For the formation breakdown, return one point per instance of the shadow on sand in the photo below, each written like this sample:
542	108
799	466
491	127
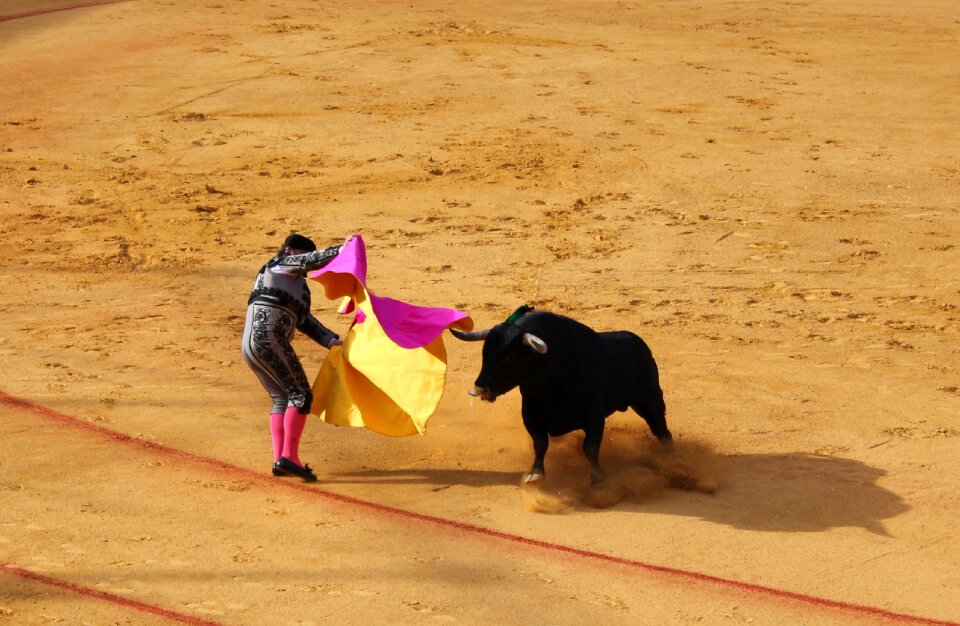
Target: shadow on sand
439	479
778	492
790	492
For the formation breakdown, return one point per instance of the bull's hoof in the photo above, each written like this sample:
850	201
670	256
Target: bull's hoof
597	479
535	477
666	446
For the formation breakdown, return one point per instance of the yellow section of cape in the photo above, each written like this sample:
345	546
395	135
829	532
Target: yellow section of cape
371	382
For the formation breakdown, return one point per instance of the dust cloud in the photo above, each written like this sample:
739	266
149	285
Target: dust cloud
636	466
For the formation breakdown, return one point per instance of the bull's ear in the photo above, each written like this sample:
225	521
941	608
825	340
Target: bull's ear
535	343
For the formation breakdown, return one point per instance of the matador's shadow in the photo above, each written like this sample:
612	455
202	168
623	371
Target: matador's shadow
438	478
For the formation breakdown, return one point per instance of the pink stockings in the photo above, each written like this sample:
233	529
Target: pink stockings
285	430
276	433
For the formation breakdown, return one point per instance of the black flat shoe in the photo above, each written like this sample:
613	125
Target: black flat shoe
278	471
290	467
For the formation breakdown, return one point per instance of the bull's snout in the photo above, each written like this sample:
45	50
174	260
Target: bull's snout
483	393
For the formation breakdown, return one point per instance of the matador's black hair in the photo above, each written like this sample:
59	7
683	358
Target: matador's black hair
299	242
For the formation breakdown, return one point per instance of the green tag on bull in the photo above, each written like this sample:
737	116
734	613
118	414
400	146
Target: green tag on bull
520	312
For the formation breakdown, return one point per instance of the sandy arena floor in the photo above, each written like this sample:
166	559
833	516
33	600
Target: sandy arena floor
767	192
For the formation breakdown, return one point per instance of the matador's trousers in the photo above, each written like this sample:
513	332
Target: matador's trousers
267	350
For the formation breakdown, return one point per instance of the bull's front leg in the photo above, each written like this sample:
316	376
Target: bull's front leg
541	441
535	424
591	450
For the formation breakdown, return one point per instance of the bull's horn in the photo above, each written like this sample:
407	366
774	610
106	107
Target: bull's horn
470	335
534	342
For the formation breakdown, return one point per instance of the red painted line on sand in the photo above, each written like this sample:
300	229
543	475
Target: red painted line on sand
69	7
109	597
314	491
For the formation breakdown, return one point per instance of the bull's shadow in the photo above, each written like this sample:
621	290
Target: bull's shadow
779	492
775	492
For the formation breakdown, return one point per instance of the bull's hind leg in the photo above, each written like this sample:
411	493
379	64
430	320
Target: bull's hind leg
653	409
591	450
537	473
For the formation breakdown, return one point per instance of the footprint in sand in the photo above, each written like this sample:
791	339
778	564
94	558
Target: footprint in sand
205	607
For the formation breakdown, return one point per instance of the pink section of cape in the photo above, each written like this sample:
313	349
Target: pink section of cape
407	325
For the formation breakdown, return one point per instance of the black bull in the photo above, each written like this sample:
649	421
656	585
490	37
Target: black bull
571	378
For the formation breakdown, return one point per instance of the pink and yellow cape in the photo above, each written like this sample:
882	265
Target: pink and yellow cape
389	374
